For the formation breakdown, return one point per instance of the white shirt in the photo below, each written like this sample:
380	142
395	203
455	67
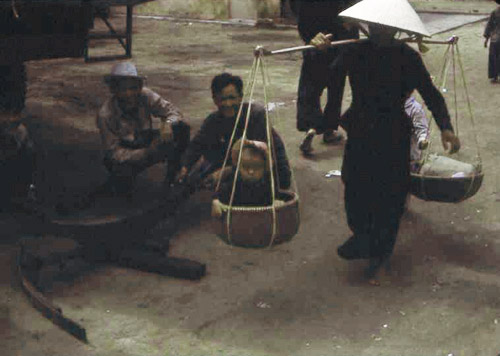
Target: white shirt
420	126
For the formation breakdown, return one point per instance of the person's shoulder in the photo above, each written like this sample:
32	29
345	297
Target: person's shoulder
106	109
211	117
407	49
150	94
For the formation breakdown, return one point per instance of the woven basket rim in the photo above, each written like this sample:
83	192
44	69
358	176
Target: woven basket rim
477	175
293	201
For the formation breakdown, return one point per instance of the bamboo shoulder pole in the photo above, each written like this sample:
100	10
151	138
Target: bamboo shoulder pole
261	51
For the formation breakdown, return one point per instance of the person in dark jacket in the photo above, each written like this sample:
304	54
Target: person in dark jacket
206	152
376	167
320	17
492	34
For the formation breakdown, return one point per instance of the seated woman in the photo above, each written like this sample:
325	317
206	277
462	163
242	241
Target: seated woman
253	185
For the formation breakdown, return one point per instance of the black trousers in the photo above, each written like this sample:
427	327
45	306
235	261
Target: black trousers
494	60
314	78
376	188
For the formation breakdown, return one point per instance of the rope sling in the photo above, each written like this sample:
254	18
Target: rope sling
276	206
430	188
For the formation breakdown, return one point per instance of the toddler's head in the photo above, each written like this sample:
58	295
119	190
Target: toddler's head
253	160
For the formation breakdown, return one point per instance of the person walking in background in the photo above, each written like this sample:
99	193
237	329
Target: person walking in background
492	34
320	17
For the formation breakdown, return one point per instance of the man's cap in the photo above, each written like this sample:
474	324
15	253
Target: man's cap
397	14
123	70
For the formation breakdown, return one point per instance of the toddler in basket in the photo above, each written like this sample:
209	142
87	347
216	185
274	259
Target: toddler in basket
253	185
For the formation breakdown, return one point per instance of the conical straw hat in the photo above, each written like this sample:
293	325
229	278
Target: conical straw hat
398	14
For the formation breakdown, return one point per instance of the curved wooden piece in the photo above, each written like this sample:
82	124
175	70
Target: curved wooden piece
49	310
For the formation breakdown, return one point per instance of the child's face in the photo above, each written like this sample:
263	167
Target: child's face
252	167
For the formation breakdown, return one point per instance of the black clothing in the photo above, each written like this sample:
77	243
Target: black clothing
12	87
212	140
246	194
17	163
492	32
376	165
314	17
314	78
494	60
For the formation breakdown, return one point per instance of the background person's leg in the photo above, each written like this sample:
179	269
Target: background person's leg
331	121
311	85
493	61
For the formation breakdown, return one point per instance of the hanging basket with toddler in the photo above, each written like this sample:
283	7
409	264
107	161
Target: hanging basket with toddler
249	209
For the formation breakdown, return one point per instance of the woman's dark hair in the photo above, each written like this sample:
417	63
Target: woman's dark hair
223	80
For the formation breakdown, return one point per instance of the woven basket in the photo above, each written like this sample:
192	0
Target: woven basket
445	189
253	226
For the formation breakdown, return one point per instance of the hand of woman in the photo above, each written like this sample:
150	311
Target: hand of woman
321	41
450	141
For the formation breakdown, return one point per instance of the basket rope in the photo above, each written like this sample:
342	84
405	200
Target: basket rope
270	150
243	137
452	54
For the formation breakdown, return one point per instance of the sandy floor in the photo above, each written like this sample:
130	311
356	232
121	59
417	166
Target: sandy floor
294	299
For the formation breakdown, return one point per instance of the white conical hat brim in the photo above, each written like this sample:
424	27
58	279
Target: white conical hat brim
398	14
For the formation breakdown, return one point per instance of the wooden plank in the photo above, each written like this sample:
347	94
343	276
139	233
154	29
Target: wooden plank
49	310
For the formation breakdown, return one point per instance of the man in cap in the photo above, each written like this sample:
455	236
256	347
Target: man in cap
138	129
376	167
320	17
492	34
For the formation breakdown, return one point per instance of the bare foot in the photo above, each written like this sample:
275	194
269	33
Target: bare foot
374	282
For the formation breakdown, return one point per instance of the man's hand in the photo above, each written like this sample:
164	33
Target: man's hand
181	176
321	41
423	144
166	131
450	141
486	43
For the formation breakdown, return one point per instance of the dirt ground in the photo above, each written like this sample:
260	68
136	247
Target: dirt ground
298	298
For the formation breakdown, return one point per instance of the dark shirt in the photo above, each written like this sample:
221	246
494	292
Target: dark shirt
316	16
213	138
246	194
381	79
